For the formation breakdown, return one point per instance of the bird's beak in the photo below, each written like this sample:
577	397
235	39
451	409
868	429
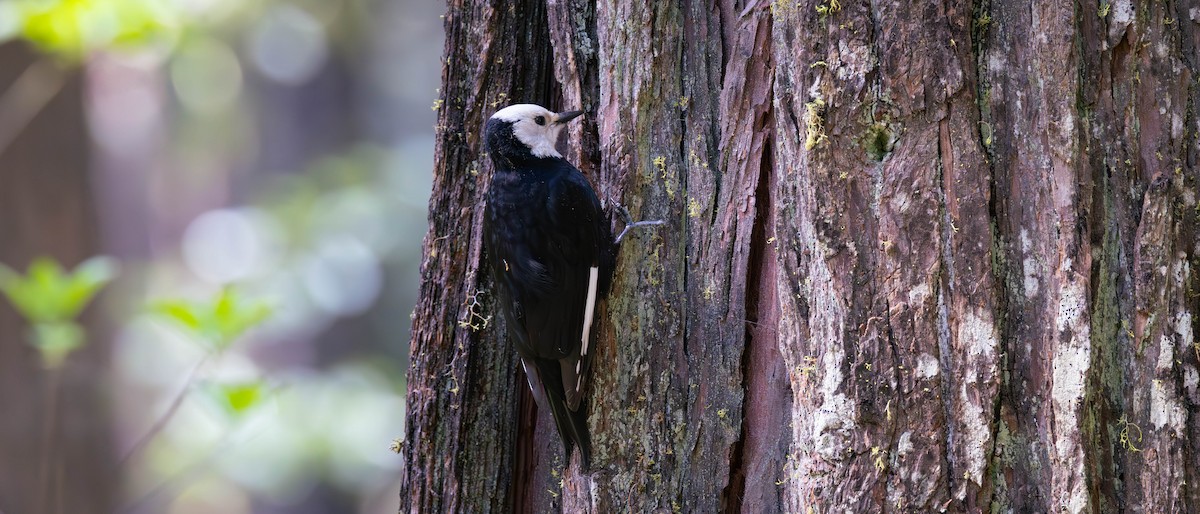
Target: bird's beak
564	117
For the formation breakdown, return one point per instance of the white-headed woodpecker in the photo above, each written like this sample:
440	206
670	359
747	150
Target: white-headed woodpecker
551	256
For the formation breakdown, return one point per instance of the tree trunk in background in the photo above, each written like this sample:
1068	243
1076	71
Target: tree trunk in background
919	256
46	210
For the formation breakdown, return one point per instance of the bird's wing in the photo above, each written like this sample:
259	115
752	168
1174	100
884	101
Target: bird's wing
559	321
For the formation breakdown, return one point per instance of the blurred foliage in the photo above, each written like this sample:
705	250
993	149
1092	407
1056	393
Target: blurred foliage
302	202
319	228
357	193
56	340
71	29
51	298
236	398
331	426
314	422
217	322
48	294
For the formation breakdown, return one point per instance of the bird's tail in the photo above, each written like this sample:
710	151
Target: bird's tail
572	427
572	424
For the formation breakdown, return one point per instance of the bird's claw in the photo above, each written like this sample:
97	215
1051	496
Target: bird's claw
630	224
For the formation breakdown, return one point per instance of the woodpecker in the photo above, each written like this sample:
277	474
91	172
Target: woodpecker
551	254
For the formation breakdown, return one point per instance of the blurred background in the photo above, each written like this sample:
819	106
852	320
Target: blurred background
211	214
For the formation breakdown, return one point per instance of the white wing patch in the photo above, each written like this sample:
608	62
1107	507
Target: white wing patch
588	312
528	377
590	309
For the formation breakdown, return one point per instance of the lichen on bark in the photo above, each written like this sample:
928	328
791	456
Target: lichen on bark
919	256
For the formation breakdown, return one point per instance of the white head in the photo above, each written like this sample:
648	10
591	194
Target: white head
535	126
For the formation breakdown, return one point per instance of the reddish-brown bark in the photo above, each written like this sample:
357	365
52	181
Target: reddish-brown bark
919	256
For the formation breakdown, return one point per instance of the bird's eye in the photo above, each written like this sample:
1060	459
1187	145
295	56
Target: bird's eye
540	120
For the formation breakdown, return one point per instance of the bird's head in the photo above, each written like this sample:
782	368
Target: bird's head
525	131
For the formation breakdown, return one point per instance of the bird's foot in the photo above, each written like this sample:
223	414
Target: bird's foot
630	224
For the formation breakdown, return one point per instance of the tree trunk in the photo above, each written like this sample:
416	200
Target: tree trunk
46	210
919	256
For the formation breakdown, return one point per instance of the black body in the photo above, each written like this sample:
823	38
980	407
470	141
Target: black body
544	230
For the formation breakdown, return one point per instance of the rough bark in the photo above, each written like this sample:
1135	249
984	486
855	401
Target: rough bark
919	256
463	386
46	210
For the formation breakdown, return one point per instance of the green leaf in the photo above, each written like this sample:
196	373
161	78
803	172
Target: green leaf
224	310
15	288
241	398
233	316
217	323
42	290
71	29
50	300
45	271
56	340
87	280
237	398
181	312
46	295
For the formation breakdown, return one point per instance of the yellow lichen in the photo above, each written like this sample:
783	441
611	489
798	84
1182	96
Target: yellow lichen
879	463
475	320
814	133
781	6
502	98
832	8
983	21
1127	441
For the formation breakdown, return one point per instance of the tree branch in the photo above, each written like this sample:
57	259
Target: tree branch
26	97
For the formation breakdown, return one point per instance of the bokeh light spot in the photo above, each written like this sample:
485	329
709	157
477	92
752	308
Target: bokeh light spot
228	245
206	75
10	20
288	45
343	276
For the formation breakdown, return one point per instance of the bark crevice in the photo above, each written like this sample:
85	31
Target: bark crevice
945	278
892	349
754	377
991	495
